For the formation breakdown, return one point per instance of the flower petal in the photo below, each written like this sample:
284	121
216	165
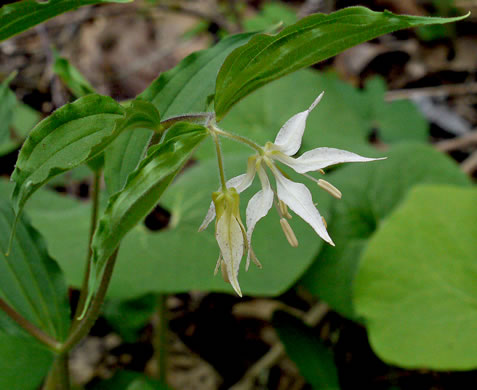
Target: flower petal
240	183
257	208
289	137
231	243
320	158
298	198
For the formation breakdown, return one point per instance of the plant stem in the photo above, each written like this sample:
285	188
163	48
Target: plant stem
85	325
58	378
92	228
32	329
239	138
160	338
219	160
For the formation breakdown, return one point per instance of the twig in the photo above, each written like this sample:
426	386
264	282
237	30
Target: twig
441	90
457	142
469	165
277	351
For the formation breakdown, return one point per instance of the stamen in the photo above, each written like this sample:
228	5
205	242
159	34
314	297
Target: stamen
330	188
324	221
284	209
289	234
219	260
321	171
255	260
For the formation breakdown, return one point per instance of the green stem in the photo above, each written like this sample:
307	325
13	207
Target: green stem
220	161
238	138
41	336
160	338
92	228
85	325
58	378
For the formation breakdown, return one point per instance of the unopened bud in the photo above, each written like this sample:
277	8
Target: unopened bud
284	209
289	234
330	188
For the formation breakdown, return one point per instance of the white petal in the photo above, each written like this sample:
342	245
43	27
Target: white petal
289	137
240	183
230	239
258	207
298	198
320	158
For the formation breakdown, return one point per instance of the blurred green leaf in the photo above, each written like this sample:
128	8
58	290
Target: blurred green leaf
128	317
416	286
344	119
30	280
313	39
22	15
183	89
143	189
306	349
71	77
8	102
69	137
271	14
370	193
23	363
129	380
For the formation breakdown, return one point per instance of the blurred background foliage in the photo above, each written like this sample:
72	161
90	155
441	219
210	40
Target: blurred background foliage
392	306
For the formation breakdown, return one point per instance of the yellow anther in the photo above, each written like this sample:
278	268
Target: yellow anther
330	188
289	234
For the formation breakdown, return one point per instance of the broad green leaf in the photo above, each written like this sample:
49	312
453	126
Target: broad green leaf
69	137
179	259
71	77
128	317
24	119
370	192
313	39
345	118
30	280
129	380
305	348
23	363
183	89
143	188
271	14
8	101
22	15
416	286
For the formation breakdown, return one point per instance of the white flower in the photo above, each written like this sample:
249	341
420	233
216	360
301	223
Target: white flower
294	195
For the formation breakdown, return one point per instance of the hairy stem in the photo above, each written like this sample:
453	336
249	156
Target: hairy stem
219	160
195	118
238	138
58	378
32	329
92	228
85	325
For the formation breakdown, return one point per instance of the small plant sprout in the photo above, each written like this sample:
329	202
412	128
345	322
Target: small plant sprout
230	233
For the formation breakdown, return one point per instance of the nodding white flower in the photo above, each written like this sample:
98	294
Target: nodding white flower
294	195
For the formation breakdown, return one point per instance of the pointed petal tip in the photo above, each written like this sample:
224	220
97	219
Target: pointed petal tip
316	101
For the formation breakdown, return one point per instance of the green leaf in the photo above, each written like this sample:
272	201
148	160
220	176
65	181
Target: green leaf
370	192
23	363
71	77
22	15
271	14
183	89
8	101
127	318
306	349
30	280
127	380
313	39
69	137
143	188
417	283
